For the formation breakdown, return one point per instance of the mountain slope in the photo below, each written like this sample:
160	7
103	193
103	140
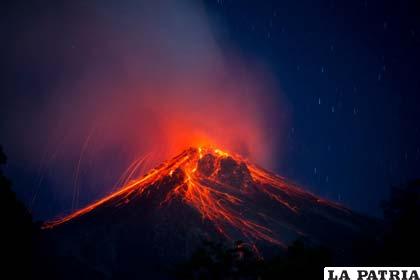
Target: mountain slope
203	193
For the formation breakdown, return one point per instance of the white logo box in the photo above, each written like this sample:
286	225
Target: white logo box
372	273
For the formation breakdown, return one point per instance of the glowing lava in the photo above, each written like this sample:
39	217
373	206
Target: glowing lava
220	186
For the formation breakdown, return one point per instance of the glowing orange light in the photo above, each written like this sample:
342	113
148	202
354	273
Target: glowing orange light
221	153
214	199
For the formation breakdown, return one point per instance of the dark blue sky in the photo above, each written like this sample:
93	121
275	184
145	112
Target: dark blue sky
348	71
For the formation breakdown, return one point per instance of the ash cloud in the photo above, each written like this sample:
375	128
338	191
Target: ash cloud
117	82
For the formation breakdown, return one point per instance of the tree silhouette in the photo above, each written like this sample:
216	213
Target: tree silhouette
16	231
396	242
301	261
401	243
217	261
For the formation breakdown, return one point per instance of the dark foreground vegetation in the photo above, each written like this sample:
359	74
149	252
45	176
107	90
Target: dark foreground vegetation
398	244
216	261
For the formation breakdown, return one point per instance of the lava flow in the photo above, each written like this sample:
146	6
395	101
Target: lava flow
221	186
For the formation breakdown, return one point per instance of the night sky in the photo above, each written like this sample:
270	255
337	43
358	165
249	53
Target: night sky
347	73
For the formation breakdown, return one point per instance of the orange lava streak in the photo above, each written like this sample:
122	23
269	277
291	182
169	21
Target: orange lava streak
136	185
209	193
270	180
214	205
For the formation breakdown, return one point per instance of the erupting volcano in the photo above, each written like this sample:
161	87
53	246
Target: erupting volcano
223	188
203	193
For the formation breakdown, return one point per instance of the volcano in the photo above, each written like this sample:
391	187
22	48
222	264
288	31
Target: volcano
201	194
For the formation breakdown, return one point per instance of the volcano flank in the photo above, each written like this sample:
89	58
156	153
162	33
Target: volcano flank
201	194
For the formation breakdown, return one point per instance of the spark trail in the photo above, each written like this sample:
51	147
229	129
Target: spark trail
221	186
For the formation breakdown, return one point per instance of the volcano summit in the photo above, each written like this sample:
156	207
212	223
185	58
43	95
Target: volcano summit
201	194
